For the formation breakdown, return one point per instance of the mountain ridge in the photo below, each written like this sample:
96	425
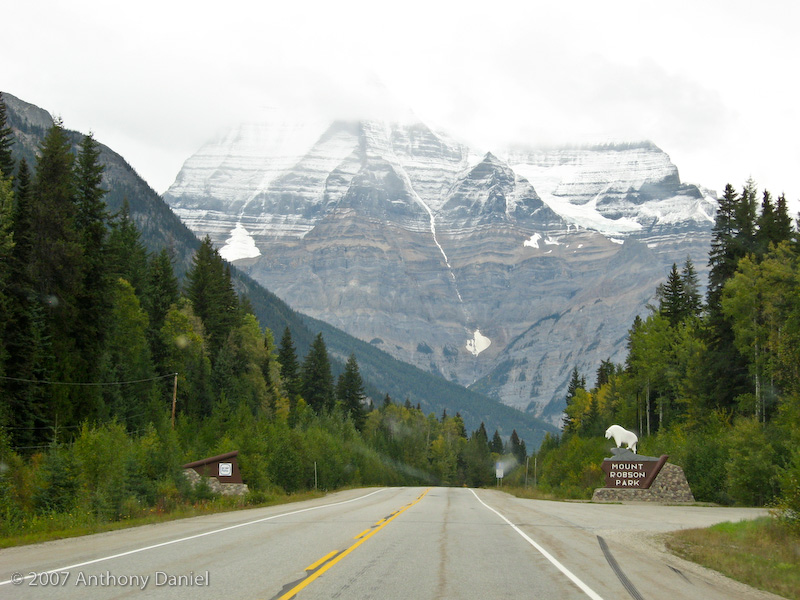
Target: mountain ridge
160	228
400	234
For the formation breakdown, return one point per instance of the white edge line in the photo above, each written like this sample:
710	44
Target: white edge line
191	537
585	588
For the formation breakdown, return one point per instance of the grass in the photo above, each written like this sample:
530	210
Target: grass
530	493
763	553
43	528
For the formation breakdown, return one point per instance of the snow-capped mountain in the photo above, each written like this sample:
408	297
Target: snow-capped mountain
502	270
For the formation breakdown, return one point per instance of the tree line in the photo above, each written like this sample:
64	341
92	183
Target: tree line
99	340
714	379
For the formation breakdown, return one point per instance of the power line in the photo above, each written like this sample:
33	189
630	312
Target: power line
45	382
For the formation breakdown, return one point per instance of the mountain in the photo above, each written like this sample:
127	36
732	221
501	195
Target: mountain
500	271
161	228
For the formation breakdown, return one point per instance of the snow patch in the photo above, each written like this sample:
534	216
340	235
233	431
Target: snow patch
533	242
240	245
478	343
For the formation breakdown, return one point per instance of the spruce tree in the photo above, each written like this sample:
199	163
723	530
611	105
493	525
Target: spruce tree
126	253
6	141
691	289
783	222
210	289
6	248
290	368
317	380
350	392
767	232
56	262
732	237
672	298
25	332
575	383
496	445
161	292
518	449
721	259
91	221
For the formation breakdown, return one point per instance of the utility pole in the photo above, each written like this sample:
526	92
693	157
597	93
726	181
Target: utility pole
174	399
527	460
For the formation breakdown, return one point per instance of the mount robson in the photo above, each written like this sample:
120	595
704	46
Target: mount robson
497	271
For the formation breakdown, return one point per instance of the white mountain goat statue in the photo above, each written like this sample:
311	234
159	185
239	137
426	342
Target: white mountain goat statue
622	436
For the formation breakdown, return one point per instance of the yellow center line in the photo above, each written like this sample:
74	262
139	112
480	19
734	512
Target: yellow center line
332	561
313	566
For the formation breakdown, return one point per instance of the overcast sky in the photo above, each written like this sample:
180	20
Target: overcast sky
714	84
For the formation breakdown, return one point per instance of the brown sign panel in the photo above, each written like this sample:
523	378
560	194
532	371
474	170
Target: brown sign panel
224	467
633	474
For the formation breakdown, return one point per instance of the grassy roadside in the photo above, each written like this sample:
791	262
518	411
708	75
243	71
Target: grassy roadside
762	553
66	525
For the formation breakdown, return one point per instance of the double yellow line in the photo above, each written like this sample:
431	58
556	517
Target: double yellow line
319	567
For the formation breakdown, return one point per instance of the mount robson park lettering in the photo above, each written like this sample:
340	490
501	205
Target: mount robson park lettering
632	473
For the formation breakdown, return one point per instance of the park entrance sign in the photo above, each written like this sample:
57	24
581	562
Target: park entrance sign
634	477
629	470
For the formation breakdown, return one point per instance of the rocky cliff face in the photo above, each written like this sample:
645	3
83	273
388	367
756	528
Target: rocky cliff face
501	272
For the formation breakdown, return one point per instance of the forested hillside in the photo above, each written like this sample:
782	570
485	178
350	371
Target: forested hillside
160	228
113	373
714	382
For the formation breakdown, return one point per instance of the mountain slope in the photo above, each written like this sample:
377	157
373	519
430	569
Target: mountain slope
502	271
161	228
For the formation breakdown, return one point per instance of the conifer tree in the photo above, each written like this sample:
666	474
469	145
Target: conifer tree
745	217
93	299
496	445
25	333
290	368
672	297
161	293
6	248
210	289
767	231
733	235
126	254
6	141
518	449
317	380
576	382
783	222
350	392
691	289
722	259
55	263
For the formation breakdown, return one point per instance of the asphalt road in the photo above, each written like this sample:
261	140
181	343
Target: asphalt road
384	543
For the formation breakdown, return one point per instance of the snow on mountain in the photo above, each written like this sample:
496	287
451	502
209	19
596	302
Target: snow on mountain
615	189
502	270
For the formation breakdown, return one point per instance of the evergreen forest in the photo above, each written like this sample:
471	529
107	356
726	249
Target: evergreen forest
711	379
118	366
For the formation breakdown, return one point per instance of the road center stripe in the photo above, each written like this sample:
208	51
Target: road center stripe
290	593
585	588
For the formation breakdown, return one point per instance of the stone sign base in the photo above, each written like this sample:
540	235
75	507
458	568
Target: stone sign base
669	486
226	489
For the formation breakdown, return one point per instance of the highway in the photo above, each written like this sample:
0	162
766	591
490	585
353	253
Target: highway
384	543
